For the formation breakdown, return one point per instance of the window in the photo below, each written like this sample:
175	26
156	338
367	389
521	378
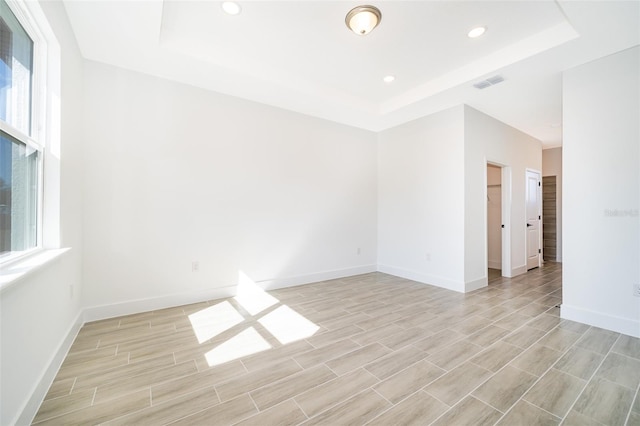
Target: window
20	150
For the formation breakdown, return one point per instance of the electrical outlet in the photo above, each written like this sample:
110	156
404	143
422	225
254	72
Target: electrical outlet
636	290
195	266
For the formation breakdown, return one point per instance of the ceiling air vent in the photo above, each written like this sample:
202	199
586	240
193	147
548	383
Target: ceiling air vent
489	82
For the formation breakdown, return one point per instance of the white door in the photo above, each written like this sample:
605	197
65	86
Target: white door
534	203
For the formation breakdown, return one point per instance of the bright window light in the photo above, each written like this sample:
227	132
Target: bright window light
251	297
245	343
214	320
476	32
287	325
231	8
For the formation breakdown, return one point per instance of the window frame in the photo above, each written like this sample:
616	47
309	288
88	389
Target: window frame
37	137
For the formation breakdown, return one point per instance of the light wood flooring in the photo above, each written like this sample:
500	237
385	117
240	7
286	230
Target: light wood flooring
372	349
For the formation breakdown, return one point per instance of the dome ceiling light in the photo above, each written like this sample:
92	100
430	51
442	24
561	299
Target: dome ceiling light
362	19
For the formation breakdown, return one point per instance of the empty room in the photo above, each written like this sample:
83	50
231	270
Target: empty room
319	212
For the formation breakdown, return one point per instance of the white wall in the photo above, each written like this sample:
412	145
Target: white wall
552	166
432	202
489	140
38	315
421	200
601	167
494	216
176	174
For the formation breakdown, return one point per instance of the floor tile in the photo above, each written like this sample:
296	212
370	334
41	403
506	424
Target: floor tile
419	409
537	359
284	414
555	392
325	353
496	356
274	393
469	412
408	381
323	339
395	362
598	340
524	413
226	413
487	336
524	336
171	410
505	388
64	404
454	354
331	393
627	345
576	419
544	322
357	358
605	402
457	383
434	343
354	411
620	369
101	413
187	384
493	341
256	379
579	362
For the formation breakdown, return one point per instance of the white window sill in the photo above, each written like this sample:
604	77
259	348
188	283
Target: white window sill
14	272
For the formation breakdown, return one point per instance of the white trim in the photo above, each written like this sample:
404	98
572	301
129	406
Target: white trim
316	277
31	406
423	278
494	264
130	307
476	284
95	313
14	271
622	325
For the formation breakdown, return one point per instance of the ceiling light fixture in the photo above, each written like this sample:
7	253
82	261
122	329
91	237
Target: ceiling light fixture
362	19
389	79
476	32
231	8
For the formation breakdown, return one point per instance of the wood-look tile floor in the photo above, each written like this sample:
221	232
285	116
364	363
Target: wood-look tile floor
371	349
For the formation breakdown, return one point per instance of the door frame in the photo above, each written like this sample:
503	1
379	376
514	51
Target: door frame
506	192
526	236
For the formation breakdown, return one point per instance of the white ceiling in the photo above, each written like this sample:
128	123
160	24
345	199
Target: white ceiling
299	55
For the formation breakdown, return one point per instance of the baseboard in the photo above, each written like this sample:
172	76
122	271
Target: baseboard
130	307
96	313
315	277
476	284
423	278
599	319
494	264
28	413
519	270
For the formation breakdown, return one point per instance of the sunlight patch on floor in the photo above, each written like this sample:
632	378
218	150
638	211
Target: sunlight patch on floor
287	325
208	323
245	343
251	296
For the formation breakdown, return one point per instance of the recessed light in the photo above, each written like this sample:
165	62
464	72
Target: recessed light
231	8
388	79
476	32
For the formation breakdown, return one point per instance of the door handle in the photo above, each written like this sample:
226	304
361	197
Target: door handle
528	225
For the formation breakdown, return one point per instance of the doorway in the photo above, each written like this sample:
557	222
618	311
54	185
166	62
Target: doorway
549	221
494	221
534	219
